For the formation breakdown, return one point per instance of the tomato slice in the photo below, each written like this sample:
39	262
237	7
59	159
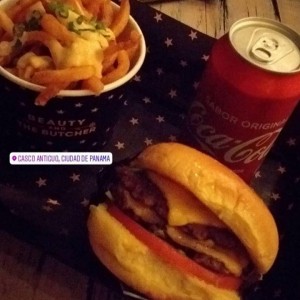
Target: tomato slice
173	257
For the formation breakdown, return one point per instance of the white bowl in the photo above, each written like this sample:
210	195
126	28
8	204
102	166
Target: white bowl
5	4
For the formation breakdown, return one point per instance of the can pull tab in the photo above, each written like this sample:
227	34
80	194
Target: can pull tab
270	48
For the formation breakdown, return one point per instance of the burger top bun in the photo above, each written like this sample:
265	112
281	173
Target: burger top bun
139	267
223	192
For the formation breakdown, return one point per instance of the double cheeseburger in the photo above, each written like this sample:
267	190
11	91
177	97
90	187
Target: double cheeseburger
180	225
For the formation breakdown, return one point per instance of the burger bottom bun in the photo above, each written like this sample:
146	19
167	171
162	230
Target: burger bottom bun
137	266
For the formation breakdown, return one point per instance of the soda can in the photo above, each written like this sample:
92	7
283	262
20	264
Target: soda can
248	90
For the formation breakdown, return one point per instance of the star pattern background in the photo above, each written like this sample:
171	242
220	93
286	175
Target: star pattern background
153	108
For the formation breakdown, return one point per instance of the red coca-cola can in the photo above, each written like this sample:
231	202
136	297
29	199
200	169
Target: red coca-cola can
248	90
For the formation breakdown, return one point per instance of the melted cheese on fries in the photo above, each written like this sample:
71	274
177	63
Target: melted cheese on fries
87	29
81	52
87	46
68	40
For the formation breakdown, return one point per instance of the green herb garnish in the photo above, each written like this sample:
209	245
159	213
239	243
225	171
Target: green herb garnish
59	9
100	26
64	13
19	29
71	26
78	25
17	45
34	23
80	20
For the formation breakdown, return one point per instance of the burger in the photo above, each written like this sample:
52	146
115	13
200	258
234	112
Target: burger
180	225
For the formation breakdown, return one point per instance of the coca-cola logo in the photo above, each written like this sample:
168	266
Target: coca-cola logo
233	149
254	149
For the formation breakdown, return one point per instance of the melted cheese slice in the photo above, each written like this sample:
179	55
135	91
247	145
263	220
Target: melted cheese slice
184	207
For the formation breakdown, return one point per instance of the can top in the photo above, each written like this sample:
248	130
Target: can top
267	44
